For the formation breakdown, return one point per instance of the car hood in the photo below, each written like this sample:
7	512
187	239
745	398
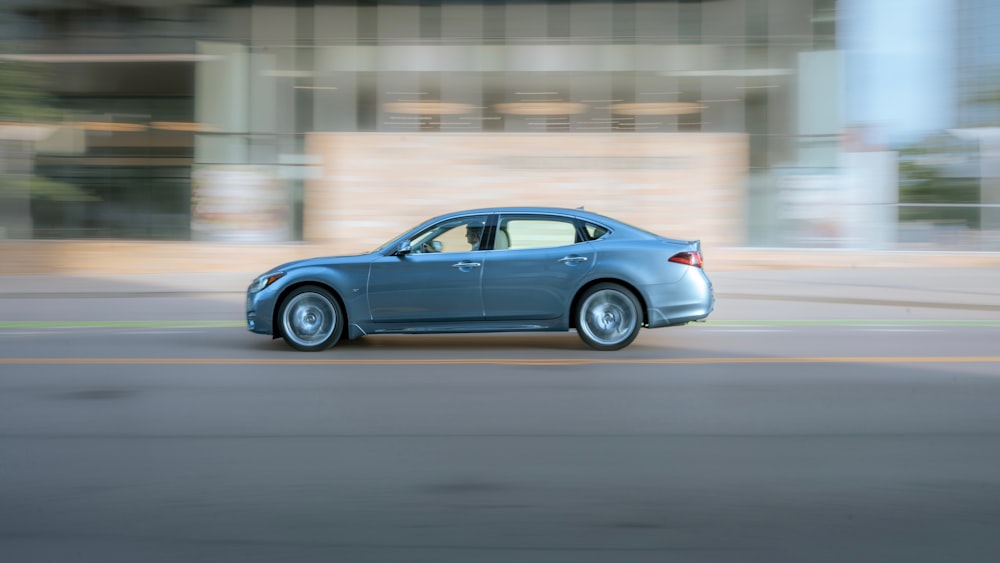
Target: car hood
324	261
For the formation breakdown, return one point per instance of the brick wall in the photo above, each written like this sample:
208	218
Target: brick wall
374	185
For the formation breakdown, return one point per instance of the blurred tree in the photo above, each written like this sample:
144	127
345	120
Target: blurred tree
25	102
939	170
24	88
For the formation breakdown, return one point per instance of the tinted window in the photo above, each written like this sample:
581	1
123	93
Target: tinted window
535	232
594	232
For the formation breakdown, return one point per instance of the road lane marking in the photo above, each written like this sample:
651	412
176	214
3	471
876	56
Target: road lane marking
898	329
15	325
121	324
507	361
32	332
747	329
915	304
854	323
159	332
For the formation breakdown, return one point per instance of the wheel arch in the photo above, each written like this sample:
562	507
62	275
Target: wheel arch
583	289
275	321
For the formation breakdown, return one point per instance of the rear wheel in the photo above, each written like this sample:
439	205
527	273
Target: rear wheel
311	319
608	317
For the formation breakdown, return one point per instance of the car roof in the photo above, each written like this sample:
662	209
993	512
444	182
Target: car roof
603	220
613	224
581	213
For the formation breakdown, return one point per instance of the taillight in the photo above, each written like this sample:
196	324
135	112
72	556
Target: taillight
688	258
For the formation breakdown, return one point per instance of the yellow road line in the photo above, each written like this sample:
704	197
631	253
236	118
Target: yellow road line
502	361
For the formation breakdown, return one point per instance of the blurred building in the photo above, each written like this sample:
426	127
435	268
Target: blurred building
978	70
189	119
977	61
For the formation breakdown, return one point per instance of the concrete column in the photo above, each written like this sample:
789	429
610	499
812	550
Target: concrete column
399	66
591	20
989	190
15	195
819	107
462	23
335	98
222	103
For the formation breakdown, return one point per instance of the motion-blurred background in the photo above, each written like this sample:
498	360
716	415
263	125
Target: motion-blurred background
142	135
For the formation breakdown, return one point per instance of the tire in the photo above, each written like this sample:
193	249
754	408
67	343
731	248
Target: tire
608	317
311	319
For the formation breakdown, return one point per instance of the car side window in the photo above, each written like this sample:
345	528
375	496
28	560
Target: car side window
461	234
535	232
594	232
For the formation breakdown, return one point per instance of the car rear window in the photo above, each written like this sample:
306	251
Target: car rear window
594	232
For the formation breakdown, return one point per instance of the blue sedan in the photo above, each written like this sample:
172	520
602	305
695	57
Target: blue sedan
490	270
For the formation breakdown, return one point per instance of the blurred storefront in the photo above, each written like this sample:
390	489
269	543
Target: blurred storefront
199	120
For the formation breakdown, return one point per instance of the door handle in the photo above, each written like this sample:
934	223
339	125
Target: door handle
572	259
466	265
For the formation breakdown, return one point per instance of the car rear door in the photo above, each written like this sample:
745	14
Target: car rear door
536	275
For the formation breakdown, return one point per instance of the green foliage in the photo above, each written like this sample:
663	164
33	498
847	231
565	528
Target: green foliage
923	179
24	98
24	90
44	189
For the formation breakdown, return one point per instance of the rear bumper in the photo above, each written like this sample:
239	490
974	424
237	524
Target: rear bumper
692	298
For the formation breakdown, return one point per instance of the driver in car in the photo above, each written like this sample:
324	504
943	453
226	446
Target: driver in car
473	234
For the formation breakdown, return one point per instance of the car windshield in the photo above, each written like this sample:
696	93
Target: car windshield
386	244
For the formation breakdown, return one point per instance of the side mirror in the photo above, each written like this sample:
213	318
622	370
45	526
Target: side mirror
403	249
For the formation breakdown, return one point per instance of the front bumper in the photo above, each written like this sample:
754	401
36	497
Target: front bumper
260	311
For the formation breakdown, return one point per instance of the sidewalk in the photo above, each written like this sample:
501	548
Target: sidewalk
963	288
868	294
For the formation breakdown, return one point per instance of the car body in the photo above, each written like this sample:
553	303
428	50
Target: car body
490	270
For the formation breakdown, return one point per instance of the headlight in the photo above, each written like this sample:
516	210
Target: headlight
264	281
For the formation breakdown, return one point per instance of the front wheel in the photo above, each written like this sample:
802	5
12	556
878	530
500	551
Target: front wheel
311	319
608	317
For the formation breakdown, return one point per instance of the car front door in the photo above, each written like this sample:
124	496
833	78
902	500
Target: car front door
438	280
535	268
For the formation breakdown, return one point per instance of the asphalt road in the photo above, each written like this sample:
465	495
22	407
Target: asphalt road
763	441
